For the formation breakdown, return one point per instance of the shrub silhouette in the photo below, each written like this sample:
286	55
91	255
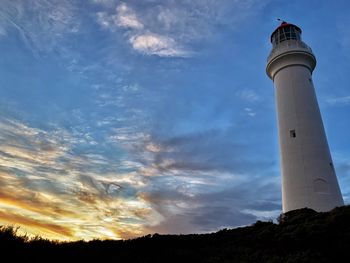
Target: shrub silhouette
300	236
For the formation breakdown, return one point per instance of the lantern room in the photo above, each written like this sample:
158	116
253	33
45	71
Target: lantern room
285	32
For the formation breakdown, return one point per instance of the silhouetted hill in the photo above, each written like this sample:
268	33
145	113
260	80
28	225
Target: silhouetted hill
300	236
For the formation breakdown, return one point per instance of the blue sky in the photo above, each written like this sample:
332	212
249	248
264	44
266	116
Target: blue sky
122	118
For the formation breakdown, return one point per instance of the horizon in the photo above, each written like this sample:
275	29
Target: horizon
123	118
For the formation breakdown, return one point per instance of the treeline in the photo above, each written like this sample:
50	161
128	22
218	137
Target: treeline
300	236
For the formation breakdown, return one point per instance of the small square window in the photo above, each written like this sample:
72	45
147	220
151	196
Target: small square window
292	134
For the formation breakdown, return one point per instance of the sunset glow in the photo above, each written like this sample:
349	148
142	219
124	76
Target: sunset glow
124	118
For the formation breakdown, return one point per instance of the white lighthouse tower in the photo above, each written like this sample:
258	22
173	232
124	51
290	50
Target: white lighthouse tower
308	175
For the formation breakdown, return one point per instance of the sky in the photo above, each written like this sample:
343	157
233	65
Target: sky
124	118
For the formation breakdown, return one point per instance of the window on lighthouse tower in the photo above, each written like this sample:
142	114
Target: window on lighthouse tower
292	134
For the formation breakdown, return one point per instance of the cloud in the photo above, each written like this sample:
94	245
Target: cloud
184	184
343	32
128	177
108	3
104	20
126	18
36	203
200	182
173	28
44	31
44	179
203	151
250	112
213	209
152	44
168	28
43	227
140	38
248	95
339	101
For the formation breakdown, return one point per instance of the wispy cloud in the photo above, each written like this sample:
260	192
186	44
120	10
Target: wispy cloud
43	31
211	209
161	184
168	28
135	162
339	101
55	229
53	186
104	2
250	112
248	95
140	37
343	31
189	181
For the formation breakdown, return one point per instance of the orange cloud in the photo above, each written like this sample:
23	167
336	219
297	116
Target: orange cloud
33	204
56	194
36	224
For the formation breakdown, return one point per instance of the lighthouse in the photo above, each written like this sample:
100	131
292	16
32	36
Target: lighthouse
308	175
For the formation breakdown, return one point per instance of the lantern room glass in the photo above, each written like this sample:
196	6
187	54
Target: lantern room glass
289	32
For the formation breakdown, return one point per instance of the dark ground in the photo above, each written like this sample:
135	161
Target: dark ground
300	236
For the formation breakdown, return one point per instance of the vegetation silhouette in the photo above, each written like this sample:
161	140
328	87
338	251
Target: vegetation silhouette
299	236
